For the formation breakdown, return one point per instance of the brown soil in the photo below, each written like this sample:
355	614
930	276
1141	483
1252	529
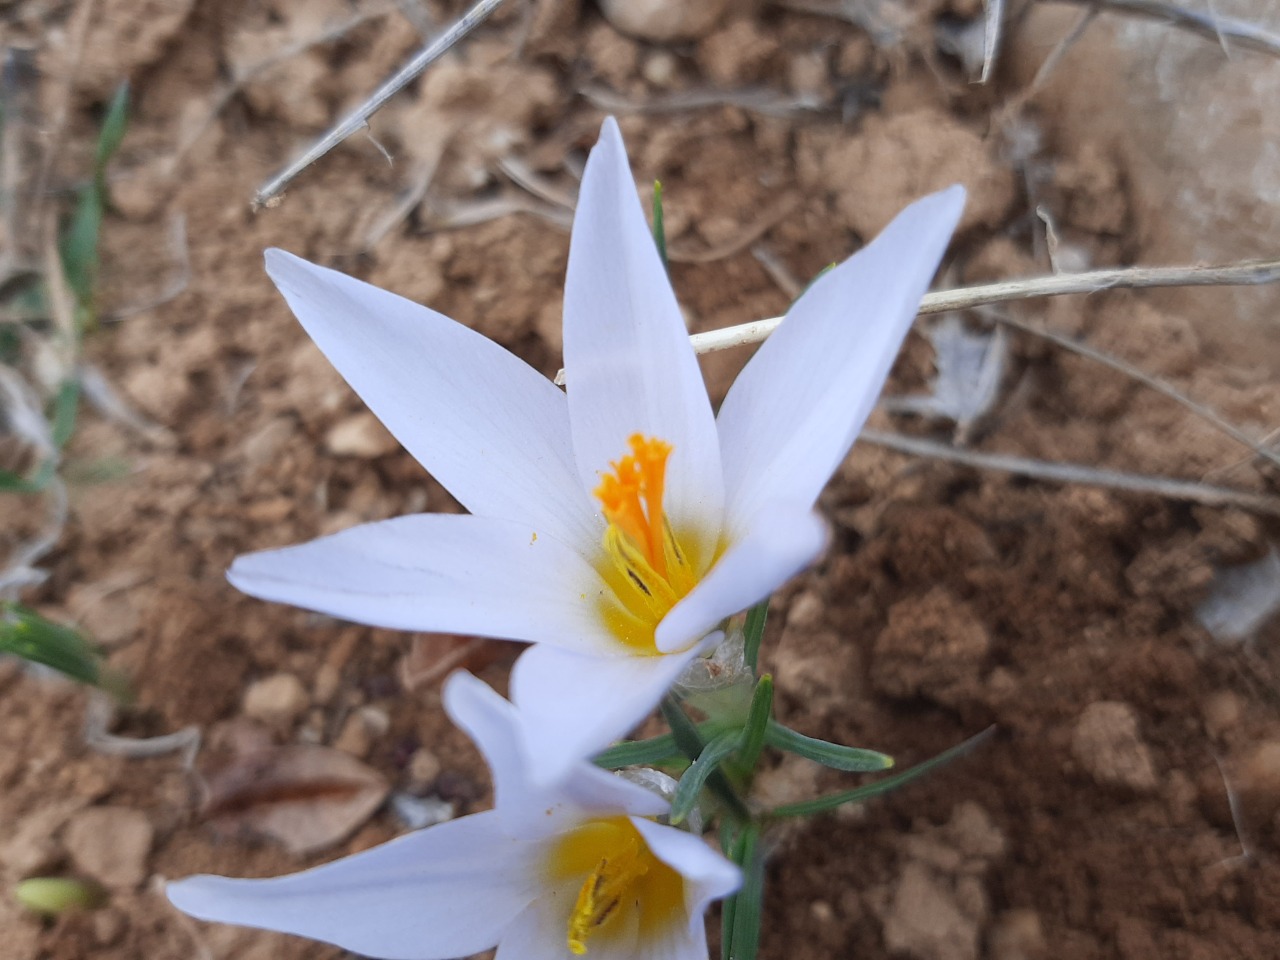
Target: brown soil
1095	824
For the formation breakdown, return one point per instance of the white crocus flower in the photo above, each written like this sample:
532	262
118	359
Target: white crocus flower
551	872
616	524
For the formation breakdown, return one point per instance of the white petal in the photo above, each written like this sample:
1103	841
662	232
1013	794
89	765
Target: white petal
575	705
449	573
629	367
680	943
707	873
530	809
490	428
536	935
795	410
447	891
780	543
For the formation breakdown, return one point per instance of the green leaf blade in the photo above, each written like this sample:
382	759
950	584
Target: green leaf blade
695	778
833	755
808	808
753	632
659	750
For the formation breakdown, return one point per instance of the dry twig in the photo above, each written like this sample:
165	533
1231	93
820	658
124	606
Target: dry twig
966	298
1211	25
765	102
359	117
1167	487
1160	386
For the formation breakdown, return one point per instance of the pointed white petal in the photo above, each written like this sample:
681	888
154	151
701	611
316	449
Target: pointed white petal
447	891
574	705
490	428
795	410
680	942
450	573
707	873
780	543
628	364
536	934
527	808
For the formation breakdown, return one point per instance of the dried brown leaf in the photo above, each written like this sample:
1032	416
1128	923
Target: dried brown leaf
307	797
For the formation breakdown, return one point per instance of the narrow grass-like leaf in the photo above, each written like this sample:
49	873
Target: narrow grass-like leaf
26	634
658	750
114	124
65	405
732	841
749	900
79	241
695	778
690	741
808	808
757	726
659	224
833	755
753	632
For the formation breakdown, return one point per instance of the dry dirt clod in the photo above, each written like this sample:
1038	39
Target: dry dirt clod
32	848
1107	743
664	21
360	435
111	845
424	768
361	731
933	646
925	921
1256	778
276	700
1017	935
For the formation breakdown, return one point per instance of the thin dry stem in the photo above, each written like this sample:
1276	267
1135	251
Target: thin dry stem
358	118
1224	30
237	83
1167	487
966	298
993	29
765	102
1162	387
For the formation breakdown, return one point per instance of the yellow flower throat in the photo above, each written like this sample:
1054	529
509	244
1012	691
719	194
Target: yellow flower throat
621	878
649	570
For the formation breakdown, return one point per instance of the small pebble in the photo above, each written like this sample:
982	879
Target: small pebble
276	700
110	844
361	435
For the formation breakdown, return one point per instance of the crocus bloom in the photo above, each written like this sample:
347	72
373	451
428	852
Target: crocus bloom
577	868
616	524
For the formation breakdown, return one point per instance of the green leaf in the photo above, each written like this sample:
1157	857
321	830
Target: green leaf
808	808
64	412
658	750
849	759
689	740
26	634
748	901
114	124
753	631
11	482
695	778
757	726
659	225
79	241
732	842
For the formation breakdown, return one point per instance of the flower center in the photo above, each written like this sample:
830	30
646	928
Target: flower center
650	571
621	876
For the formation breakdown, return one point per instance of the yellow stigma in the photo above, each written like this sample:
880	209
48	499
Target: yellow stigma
620	877
650	572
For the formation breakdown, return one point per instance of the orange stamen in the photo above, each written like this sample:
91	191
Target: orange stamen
631	497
